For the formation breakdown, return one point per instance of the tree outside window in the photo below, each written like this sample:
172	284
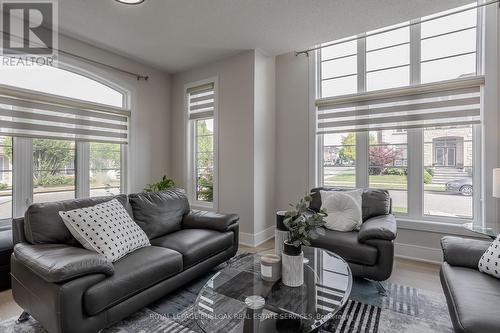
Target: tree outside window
105	168
204	160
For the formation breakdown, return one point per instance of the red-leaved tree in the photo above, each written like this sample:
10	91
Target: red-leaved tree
382	157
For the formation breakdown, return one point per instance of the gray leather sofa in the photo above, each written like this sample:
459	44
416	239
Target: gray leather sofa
369	251
473	297
70	289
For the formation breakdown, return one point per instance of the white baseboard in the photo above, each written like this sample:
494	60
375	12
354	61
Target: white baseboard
418	253
254	240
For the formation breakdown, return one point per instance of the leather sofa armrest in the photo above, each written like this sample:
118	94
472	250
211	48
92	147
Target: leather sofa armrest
59	263
197	219
379	227
464	252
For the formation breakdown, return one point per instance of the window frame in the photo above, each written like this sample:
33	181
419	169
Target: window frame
22	164
190	149
415	218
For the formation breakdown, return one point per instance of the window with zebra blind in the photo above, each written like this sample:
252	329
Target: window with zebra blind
64	133
201	114
400	108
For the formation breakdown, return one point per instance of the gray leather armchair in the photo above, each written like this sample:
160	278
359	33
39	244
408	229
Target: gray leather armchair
70	289
369	251
473	297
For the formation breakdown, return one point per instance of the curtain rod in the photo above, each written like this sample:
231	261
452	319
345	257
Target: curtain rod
92	61
306	52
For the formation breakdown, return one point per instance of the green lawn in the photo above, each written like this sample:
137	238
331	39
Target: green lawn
399	210
388	182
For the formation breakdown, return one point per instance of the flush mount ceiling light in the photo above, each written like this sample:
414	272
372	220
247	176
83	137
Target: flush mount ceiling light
130	2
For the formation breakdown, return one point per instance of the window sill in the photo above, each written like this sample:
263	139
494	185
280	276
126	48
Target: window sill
202	206
435	227
5	224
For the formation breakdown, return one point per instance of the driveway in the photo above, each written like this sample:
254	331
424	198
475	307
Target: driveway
438	203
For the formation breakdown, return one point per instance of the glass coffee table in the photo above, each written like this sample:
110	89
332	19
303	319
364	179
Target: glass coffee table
236	299
481	230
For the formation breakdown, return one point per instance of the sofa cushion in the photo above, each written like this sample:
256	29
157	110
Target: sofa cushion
105	228
195	244
473	299
159	213
346	245
374	202
134	273
465	252
42	223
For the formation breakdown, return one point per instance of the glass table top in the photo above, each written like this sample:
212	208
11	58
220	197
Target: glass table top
479	229
230	300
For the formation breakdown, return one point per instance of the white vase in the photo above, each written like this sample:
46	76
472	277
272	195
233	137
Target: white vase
292	270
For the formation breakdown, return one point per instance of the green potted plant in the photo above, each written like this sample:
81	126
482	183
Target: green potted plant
303	225
162	185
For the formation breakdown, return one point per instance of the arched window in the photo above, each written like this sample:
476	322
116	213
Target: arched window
61	82
68	126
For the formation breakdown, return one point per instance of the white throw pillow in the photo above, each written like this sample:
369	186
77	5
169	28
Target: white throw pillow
344	213
490	260
105	228
356	194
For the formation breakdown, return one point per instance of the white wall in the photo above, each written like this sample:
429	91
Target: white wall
264	147
491	120
235	120
149	146
246	132
292	123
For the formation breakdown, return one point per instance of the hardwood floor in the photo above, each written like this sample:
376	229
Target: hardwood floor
406	272
416	274
8	308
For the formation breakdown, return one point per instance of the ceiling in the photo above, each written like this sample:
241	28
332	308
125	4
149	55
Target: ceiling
176	35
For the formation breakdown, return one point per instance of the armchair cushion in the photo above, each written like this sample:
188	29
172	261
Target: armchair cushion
374	201
379	227
59	263
465	252
197	219
347	245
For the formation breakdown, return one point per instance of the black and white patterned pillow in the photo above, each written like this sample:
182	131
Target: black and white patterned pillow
105	228
490	261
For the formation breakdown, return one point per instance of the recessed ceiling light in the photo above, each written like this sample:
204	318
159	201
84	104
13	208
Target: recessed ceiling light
130	2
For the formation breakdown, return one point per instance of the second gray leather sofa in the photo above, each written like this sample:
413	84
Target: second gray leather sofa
70	289
473	297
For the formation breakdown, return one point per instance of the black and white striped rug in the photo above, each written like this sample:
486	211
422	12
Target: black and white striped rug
355	317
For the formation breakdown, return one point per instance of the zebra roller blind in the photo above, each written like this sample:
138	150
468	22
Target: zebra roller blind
454	102
31	114
201	101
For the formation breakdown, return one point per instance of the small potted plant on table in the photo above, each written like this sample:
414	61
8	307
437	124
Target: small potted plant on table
303	225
